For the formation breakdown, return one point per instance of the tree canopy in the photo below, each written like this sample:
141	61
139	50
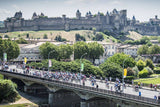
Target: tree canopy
142	50
95	50
154	49
119	58
111	69
48	47
65	51
79	49
8	91
9	47
58	52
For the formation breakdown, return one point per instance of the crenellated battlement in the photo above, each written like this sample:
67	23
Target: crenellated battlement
111	20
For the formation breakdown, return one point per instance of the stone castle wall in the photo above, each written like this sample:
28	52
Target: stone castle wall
111	21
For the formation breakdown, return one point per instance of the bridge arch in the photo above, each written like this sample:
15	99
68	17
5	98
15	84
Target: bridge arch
20	83
37	89
65	98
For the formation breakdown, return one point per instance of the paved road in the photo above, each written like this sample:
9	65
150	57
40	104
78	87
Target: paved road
129	90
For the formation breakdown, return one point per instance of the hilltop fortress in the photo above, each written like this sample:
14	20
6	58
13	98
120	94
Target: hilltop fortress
113	21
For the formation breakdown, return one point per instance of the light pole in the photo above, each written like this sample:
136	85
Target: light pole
48	58
123	74
80	66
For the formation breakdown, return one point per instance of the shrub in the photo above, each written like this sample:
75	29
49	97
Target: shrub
157	70
136	71
129	79
143	73
45	36
150	71
8	91
140	64
149	63
130	72
6	36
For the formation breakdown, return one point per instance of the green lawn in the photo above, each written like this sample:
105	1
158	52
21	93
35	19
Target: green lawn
149	80
19	105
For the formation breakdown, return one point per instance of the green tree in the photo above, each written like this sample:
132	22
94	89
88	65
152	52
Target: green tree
79	37
8	91
98	37
95	51
79	49
65	51
60	39
140	64
9	47
48	47
144	40
119	59
149	63
139	57
154	49
111	69
45	36
142	50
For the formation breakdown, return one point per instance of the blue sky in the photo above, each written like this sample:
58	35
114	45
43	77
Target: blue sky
142	9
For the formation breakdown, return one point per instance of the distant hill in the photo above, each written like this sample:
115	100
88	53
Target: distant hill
1	24
51	34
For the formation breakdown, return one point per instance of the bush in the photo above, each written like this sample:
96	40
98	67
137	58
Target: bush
60	39
157	70
79	37
150	71
21	41
149	63
6	36
136	71
8	91
98	37
143	73
45	36
140	64
130	72
129	79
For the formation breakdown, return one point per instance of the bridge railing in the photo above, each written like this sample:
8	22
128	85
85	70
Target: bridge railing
93	89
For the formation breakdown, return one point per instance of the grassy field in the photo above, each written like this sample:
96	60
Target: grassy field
69	35
149	80
19	105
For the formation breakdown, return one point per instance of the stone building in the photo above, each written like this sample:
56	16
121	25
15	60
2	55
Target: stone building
109	50
128	49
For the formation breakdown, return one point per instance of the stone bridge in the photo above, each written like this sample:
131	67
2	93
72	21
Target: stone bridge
85	93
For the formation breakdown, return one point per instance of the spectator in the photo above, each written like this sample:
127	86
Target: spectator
139	93
155	98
